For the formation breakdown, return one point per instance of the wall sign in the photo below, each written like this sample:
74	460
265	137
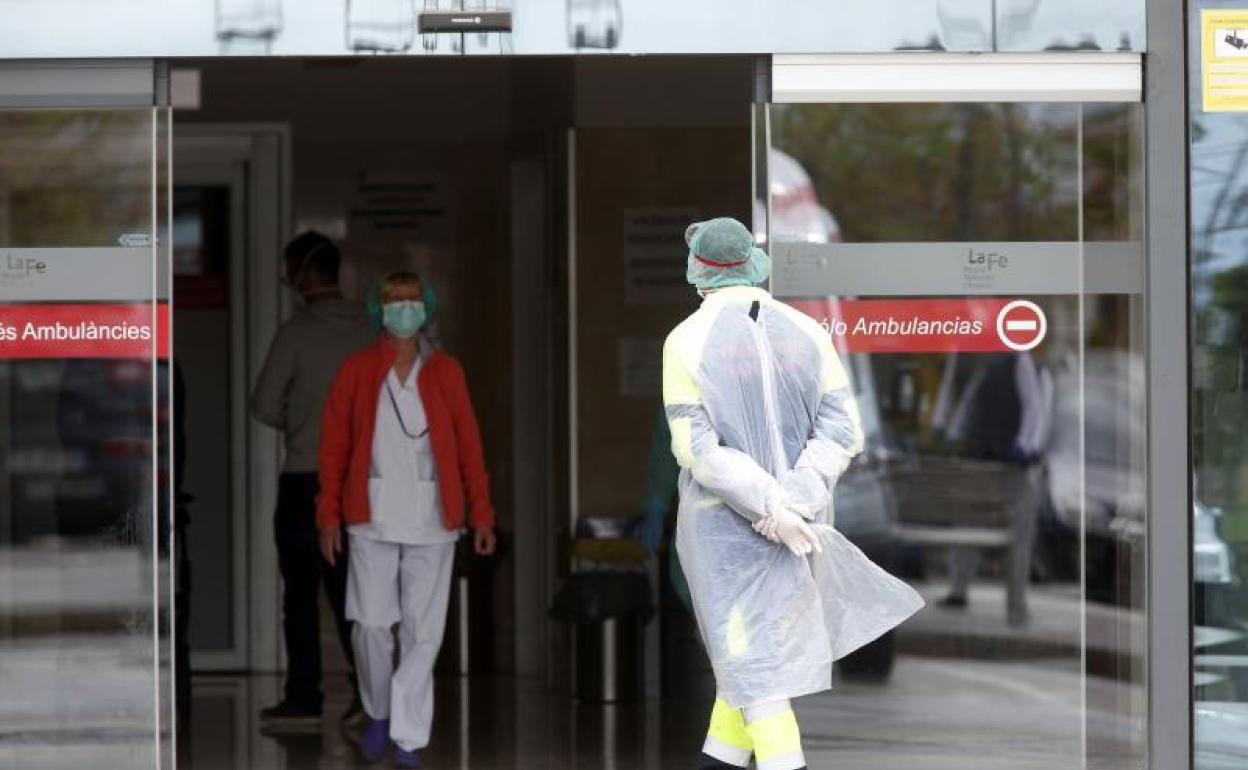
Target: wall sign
83	330
98	274
978	325
655	255
388	204
957	269
1224	60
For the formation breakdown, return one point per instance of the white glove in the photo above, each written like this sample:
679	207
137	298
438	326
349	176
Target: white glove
785	526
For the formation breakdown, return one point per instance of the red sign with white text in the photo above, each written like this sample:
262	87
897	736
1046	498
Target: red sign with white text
978	325
83	330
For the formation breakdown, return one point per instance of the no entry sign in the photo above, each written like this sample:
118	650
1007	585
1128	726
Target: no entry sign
1021	325
978	325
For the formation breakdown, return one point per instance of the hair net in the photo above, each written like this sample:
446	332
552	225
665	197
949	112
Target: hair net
427	294
722	253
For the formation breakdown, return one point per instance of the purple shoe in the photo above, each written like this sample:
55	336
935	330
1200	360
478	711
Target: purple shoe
408	760
376	740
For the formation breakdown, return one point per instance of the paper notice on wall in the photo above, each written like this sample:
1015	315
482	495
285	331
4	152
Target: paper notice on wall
641	367
397	206
655	255
1224	60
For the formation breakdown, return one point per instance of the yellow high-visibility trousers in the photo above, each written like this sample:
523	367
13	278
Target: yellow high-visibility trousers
769	732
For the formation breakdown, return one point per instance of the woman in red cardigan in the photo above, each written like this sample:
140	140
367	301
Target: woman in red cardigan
401	466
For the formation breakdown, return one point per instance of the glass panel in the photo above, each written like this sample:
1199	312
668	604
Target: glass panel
1068	25
980	268
1219	344
337	27
82	556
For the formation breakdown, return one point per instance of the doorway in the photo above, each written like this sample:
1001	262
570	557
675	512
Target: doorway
549	214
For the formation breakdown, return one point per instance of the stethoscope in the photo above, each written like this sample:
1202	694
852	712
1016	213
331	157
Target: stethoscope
402	423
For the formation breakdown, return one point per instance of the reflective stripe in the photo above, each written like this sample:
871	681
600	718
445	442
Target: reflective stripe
794	760
728	727
676	411
775	736
731	755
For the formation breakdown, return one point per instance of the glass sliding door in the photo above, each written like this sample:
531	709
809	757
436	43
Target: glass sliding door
1219	399
85	435
976	253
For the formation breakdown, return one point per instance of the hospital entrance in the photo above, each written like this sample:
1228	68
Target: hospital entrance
976	260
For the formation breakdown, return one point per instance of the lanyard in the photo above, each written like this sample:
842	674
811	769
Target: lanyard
402	424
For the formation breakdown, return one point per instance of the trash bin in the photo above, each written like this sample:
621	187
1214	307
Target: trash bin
610	660
608	604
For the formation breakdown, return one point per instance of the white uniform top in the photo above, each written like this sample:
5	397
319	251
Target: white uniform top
403	492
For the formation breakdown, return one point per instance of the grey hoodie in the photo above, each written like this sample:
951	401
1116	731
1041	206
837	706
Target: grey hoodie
294	382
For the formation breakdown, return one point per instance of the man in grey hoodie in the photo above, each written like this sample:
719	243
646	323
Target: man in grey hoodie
290	396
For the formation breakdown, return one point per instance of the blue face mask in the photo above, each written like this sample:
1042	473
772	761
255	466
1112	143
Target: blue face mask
403	319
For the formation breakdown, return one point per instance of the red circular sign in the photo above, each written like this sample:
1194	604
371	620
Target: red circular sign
1021	325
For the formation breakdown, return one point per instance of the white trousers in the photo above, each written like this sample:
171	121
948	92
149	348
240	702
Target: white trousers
389	583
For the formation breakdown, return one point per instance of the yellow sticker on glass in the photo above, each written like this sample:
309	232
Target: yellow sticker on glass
1224	60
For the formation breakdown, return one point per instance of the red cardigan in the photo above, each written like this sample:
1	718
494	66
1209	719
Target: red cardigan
347	439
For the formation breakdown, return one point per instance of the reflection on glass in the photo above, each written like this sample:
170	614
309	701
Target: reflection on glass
1069	25
796	213
381	26
78	465
661	26
594	24
468	43
1007	486
248	27
965	25
960	172
1219	301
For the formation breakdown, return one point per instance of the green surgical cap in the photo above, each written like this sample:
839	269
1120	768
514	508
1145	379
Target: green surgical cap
722	254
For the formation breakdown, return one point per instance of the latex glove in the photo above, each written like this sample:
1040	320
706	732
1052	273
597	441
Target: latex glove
785	526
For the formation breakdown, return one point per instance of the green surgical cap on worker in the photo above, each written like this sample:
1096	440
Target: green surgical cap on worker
722	254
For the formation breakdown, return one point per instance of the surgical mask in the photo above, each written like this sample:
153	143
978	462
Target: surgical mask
403	319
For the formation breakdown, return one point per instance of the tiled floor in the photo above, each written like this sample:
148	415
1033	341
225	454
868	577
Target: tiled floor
968	691
932	714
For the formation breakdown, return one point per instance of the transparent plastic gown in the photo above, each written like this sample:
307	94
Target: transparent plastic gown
763	416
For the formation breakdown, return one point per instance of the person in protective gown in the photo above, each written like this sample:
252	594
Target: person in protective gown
763	423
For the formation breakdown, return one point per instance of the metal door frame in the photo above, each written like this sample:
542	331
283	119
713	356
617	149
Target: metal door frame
257	157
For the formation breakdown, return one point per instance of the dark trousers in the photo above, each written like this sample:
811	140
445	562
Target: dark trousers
303	568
